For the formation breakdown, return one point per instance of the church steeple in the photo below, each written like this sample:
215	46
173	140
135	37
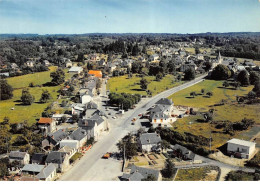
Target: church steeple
219	58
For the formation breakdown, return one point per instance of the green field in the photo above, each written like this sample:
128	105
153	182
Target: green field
194	174
191	50
32	112
122	84
230	111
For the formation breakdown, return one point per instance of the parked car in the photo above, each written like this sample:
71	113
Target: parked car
107	155
140	114
114	117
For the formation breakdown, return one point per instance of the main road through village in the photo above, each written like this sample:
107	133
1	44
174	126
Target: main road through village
92	167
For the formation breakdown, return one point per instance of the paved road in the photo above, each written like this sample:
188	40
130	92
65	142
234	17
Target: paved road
91	166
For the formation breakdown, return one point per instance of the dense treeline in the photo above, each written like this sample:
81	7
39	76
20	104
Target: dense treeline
125	101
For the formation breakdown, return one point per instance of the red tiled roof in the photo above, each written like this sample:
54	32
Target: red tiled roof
96	73
45	121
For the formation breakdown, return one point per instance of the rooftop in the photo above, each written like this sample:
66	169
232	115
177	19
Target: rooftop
241	142
45	120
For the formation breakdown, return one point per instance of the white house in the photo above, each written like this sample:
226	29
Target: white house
47	125
149	142
22	157
76	70
241	148
48	173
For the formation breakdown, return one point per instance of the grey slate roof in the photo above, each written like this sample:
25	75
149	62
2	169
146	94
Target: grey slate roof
46	172
164	101
91	105
58	135
17	154
78	134
55	157
139	173
186	152
33	168
150	138
38	157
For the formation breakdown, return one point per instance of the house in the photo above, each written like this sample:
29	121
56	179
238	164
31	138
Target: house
58	117
32	169
48	173
46	62
14	66
94	126
187	65
47	125
22	157
5	74
74	144
79	135
75	70
139	173
241	148
154	57
160	119
68	150
111	66
59	159
78	108
68	63
53	139
38	158
182	152
96	73
30	63
200	57
149	142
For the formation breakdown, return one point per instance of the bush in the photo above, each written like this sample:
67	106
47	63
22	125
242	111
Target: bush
75	157
220	72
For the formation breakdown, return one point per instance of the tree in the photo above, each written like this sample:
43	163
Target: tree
225	84
220	72
208	116
58	77
171	67
256	88
169	170
251	95
208	66
3	170
189	74
165	144
202	91
254	77
209	94
126	145
193	94
143	84
159	76
150	177
243	78
27	98
45	96
6	90
197	50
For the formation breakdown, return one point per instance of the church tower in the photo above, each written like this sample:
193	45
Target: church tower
219	58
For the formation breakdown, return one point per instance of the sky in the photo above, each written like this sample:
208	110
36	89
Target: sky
128	16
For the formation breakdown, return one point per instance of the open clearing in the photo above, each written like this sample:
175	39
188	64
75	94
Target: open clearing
31	112
123	84
230	111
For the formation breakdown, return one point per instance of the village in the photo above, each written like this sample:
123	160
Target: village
90	117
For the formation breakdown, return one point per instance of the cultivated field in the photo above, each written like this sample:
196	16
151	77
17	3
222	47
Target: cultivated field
197	174
123	84
31	112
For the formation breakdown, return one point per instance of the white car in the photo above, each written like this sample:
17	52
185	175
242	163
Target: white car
114	117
